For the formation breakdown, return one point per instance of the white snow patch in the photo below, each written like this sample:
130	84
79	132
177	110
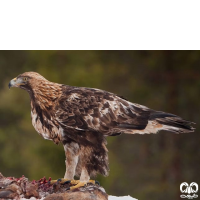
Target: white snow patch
32	198
121	198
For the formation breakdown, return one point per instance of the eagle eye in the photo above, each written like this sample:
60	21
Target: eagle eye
25	78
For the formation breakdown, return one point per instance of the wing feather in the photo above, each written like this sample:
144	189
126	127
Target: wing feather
97	110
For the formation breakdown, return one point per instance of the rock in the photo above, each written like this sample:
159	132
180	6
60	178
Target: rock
21	189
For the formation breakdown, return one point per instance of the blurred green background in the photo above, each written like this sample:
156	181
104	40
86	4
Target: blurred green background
143	166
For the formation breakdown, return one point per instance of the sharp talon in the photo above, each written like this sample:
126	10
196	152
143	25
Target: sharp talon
97	182
66	182
59	180
68	189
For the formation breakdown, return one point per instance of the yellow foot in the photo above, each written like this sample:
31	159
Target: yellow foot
79	183
75	183
60	180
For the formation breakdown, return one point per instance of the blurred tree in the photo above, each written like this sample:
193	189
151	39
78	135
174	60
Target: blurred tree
144	166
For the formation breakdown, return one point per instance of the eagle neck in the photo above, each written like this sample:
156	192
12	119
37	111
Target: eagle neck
45	94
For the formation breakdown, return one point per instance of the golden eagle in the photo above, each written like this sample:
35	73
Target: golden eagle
80	118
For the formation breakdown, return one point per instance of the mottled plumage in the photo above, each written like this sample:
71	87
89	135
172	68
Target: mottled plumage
81	118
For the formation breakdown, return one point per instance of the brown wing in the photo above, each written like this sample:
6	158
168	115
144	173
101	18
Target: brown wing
98	110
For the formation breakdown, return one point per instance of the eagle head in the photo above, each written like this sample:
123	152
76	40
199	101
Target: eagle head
26	80
40	89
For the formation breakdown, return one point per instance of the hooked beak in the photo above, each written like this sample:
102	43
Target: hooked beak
14	83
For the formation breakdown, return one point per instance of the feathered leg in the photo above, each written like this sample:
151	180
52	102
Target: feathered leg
84	161
71	152
90	162
72	155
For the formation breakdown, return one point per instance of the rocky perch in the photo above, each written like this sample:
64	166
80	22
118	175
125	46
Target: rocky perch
22	188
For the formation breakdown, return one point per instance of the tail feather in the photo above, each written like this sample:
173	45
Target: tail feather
172	122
